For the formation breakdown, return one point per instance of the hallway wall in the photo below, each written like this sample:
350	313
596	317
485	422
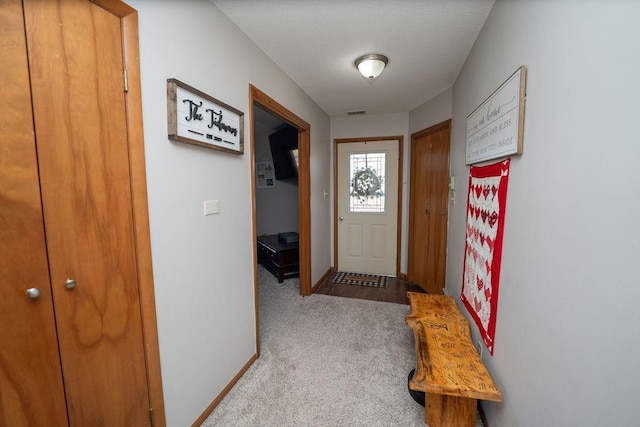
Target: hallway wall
567	335
203	265
434	111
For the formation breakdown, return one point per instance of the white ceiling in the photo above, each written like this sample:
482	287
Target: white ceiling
316	41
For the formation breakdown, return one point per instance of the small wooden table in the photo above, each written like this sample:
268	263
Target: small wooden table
281	259
448	368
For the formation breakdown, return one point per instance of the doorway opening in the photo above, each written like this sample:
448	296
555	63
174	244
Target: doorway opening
264	106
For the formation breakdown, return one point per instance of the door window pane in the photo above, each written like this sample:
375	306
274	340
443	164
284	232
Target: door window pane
367	182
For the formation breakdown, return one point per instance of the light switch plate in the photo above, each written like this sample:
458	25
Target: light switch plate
211	207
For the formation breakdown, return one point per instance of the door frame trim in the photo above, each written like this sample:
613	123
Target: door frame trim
264	101
140	206
400	140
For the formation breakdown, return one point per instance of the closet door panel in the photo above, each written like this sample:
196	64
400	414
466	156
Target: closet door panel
76	61
31	391
439	202
428	207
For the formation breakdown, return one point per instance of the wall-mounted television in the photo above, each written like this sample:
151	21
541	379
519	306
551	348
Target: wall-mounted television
284	151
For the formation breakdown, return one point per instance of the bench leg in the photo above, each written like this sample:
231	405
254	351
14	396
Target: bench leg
450	411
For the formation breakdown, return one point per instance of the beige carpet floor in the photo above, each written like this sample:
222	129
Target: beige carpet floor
326	361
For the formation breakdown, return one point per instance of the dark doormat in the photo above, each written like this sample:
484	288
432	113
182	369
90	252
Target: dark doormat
360	279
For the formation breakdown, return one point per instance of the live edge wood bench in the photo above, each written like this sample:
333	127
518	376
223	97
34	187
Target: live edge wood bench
448	368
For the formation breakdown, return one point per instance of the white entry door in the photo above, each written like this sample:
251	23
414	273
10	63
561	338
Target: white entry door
367	185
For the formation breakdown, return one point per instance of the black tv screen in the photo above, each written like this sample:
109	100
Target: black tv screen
284	151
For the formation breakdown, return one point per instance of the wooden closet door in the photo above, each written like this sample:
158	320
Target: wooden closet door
429	207
76	64
31	391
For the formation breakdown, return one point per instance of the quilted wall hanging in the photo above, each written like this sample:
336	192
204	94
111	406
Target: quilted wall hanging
486	204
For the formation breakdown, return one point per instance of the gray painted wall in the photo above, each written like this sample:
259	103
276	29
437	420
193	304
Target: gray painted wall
276	207
202	266
436	110
567	336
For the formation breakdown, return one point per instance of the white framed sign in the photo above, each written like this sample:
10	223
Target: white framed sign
495	129
197	118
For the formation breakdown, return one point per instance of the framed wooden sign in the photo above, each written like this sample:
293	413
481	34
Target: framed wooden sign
197	118
495	129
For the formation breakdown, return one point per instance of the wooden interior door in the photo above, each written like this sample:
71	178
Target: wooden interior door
76	64
31	391
429	207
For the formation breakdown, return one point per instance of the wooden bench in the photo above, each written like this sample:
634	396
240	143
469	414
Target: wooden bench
448	368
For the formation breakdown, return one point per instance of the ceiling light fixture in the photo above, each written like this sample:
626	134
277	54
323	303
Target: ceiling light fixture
371	65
